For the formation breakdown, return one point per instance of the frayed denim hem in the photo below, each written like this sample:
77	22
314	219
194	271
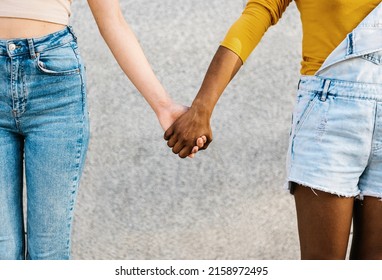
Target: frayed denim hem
371	194
289	181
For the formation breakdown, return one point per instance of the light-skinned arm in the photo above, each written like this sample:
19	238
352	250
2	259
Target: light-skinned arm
127	51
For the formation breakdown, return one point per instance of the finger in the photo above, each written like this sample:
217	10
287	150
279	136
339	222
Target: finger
200	142
192	155
205	146
185	152
177	148
169	132
172	141
204	138
195	149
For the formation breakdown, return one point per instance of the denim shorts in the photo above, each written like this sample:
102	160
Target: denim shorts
336	137
44	136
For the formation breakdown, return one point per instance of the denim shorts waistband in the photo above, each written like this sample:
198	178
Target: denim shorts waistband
23	46
341	88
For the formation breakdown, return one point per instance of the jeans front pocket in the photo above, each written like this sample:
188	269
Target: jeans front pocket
304	105
61	60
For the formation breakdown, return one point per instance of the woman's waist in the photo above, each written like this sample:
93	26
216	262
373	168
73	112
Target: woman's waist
16	28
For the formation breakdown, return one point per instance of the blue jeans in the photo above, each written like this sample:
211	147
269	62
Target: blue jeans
44	135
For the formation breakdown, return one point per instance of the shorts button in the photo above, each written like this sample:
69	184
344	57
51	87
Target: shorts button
11	47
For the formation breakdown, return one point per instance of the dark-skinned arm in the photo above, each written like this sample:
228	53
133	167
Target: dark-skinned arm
195	123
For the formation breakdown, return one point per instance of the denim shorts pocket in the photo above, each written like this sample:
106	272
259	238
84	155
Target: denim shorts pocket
304	105
374	57
62	60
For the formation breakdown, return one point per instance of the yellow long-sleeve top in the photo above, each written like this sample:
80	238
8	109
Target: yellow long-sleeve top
325	24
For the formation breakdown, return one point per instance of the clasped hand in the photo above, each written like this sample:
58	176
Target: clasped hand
190	133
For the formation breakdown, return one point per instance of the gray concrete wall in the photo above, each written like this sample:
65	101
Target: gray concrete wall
137	200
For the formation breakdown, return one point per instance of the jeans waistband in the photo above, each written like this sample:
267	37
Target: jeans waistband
340	88
31	46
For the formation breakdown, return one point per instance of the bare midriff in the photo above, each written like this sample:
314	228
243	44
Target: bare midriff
11	28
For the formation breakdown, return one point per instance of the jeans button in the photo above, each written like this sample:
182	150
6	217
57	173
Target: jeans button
11	47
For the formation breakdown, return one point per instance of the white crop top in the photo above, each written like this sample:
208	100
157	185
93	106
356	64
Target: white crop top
56	11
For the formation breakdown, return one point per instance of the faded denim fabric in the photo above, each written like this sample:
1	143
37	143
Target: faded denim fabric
336	136
44	134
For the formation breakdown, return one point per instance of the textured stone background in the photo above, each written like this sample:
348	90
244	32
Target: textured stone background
137	200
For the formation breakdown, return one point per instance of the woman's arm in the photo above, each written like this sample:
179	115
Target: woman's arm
241	39
129	55
196	121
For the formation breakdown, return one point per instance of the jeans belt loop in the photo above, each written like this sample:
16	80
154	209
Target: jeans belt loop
70	28
31	48
325	91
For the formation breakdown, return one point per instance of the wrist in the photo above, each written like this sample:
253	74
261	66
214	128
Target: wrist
202	108
162	105
168	112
